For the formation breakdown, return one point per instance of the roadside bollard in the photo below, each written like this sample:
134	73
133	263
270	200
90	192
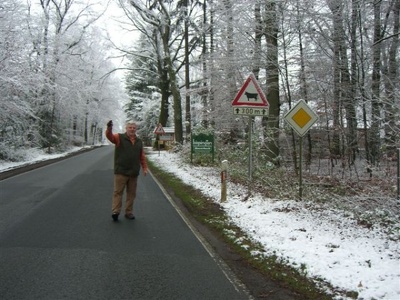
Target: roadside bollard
224	174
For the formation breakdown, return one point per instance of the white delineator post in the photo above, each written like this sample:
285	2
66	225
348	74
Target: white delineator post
224	175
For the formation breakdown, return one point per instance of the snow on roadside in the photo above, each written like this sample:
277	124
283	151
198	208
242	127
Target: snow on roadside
36	155
325	244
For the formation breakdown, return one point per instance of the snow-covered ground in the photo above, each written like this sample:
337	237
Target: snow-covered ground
35	155
325	244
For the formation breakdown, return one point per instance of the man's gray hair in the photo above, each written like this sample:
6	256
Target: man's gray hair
130	122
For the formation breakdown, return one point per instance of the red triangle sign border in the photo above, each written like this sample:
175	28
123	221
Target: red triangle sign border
237	102
159	129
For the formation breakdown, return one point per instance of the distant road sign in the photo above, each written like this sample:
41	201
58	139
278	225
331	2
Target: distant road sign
301	117
159	129
250	95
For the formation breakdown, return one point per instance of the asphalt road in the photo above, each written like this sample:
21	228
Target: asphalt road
58	241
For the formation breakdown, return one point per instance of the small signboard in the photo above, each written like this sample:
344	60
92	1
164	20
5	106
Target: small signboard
167	138
251	111
301	117
202	143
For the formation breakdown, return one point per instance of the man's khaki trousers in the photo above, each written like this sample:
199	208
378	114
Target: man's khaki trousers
120	183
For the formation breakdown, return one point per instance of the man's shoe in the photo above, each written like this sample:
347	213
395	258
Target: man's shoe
130	217
115	216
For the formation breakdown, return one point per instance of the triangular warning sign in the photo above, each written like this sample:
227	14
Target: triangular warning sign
250	94
159	129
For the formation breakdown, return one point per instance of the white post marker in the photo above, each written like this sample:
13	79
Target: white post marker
224	175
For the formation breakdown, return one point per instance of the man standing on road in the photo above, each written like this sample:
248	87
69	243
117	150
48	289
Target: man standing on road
128	158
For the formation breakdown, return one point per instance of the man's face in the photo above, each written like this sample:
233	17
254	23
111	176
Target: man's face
131	129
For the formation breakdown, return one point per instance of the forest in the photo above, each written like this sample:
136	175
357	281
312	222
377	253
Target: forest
60	84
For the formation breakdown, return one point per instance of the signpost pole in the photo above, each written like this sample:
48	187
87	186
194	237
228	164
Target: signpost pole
213	147
398	173
250	150
301	169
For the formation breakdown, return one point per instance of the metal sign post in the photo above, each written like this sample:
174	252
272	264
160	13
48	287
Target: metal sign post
398	173
250	150
301	168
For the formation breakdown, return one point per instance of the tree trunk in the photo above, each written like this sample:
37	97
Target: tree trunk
258	37
177	100
188	117
230	51
212	66
204	51
348	91
165	93
164	86
336	107
361	84
374	139
165	35
391	107
354	71
271	123
230	65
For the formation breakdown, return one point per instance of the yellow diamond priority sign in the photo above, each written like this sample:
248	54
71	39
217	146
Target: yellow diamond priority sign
301	117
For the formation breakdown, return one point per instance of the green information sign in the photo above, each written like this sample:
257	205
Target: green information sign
202	143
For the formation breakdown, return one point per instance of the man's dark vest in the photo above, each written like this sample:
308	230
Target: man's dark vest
127	156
